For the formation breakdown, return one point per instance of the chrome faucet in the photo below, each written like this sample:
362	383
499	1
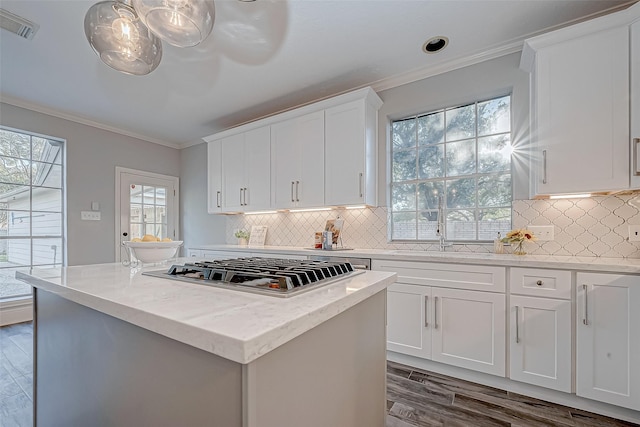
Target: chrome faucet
441	230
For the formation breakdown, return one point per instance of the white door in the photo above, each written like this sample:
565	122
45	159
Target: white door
233	172
285	163
310	191
257	148
409	319
608	338
540	344
469	330
214	177
583	95
147	204
345	154
635	105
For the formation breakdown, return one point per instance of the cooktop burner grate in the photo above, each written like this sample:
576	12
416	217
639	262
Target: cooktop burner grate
269	276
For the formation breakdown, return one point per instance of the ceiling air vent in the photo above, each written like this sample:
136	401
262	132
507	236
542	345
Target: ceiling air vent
17	25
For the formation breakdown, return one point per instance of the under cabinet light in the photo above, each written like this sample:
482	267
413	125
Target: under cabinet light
356	207
310	210
570	196
260	212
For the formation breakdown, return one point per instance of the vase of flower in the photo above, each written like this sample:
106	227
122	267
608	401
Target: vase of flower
242	236
517	238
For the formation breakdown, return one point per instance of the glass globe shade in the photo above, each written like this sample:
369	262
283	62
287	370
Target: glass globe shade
120	39
182	23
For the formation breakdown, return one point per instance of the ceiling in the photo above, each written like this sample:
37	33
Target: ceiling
262	57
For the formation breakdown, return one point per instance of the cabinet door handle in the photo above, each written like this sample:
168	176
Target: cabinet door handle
360	186
241	197
218	193
292	184
517	325
426	305
585	318
297	187
244	196
636	154
435	312
544	166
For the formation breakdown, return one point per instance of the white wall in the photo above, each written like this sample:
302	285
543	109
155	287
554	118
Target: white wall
91	157
473	83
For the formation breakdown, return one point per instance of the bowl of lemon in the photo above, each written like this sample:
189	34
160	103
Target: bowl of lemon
151	249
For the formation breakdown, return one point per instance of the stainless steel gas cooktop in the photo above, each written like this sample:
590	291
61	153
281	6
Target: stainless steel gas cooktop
267	276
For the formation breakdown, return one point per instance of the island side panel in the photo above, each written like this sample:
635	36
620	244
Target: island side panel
95	370
333	375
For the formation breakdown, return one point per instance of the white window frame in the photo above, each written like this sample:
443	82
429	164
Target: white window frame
21	303
445	177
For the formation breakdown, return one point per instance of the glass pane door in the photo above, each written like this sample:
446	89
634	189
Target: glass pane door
148	207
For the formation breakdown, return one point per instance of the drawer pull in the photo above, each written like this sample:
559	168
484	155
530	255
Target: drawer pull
585	319
517	325
539	283
426	304
435	313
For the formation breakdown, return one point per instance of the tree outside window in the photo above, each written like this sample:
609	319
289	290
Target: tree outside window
462	153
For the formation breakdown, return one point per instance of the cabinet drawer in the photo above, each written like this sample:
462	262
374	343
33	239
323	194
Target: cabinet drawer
472	277
540	282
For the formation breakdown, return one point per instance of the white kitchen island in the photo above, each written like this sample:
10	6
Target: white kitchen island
115	347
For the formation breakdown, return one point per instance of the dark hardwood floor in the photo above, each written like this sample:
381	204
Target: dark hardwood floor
420	398
16	375
414	398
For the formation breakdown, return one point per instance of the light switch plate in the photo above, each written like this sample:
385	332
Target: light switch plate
634	233
542	232
90	216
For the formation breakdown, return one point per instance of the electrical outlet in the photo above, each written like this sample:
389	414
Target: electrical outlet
90	216
634	233
542	232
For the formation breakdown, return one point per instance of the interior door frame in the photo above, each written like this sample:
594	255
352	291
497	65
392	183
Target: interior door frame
120	171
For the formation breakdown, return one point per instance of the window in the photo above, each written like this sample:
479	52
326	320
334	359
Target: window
461	154
31	206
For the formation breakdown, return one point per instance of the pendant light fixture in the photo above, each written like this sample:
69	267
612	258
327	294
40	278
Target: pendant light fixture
120	39
182	23
126	34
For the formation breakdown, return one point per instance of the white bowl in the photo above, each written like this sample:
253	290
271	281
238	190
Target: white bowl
152	251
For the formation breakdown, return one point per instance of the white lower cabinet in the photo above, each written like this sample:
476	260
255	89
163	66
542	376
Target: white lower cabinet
540	327
409	321
459	327
540	342
469	329
608	338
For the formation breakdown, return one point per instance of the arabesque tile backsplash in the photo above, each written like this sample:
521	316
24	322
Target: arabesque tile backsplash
596	226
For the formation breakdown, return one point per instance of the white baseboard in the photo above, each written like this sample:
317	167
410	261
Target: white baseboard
16	311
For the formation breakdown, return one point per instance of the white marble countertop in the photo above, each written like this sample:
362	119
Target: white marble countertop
610	265
236	325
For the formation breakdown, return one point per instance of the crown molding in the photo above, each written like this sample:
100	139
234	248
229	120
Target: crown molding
430	71
82	120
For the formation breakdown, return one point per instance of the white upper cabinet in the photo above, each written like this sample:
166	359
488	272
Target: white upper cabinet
214	176
350	152
635	105
580	106
296	159
297	162
608	338
246	171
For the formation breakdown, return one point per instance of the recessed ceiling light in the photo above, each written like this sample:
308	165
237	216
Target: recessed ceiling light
435	44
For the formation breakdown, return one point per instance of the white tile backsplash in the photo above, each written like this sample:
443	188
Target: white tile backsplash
596	226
